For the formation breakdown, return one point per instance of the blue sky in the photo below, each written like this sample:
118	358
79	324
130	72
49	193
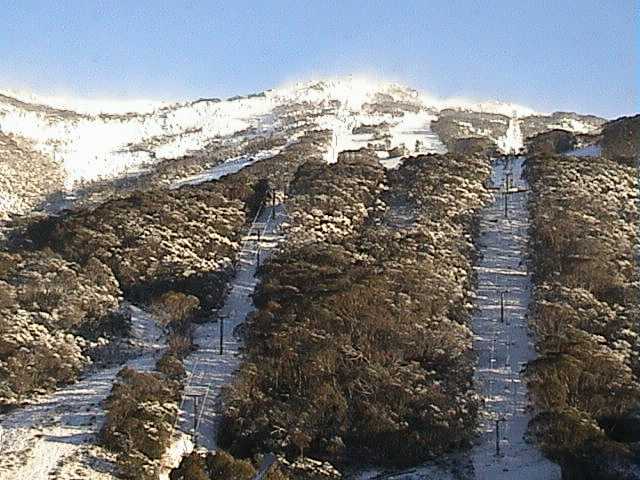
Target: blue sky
563	54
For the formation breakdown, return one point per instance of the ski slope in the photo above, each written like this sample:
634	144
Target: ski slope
55	436
208	370
503	343
406	131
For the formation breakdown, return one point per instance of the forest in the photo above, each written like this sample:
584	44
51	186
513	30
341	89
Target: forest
361	336
586	312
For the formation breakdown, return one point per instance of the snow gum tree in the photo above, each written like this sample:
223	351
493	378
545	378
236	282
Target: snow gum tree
586	380
361	336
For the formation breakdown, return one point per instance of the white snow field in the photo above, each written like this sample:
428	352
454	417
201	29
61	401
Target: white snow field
504	343
513	141
208	370
99	146
405	131
55	436
100	140
91	141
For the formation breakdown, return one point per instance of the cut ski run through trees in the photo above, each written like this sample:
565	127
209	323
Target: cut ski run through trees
55	436
503	345
503	342
212	366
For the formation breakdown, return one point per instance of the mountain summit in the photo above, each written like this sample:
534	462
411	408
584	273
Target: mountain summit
64	145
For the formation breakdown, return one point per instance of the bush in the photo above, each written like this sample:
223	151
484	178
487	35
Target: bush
552	141
174	309
361	336
585	311
223	466
50	311
171	366
34	358
181	344
621	140
219	465
192	467
139	422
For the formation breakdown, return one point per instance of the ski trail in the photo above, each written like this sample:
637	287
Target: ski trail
208	371
55	437
503	343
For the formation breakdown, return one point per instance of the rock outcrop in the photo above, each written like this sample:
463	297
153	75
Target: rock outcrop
573	122
621	139
474	145
553	141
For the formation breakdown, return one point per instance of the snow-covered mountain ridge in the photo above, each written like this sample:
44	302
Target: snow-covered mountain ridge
87	141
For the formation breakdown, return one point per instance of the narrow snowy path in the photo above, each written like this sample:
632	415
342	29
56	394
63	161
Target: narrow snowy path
228	167
502	340
55	437
208	370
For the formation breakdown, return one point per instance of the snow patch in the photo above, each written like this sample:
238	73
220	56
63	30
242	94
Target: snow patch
512	141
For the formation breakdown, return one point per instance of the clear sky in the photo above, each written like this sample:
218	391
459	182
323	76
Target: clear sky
548	54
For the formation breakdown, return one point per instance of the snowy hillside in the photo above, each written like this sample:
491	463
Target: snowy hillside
91	141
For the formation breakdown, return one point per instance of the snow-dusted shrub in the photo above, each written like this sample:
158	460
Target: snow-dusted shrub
171	366
219	465
154	241
621	139
585	311
452	125
33	357
174	308
27	176
332	201
70	294
184	240
386	104
223	466
7	295
167	171
140	413
49	308
361	337
192	467
552	141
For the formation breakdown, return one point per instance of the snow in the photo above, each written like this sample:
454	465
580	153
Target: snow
405	131
137	134
445	469
351	91
88	106
355	90
228	167
55	436
416	127
513	140
507	109
575	126
504	347
208	371
93	147
588	151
